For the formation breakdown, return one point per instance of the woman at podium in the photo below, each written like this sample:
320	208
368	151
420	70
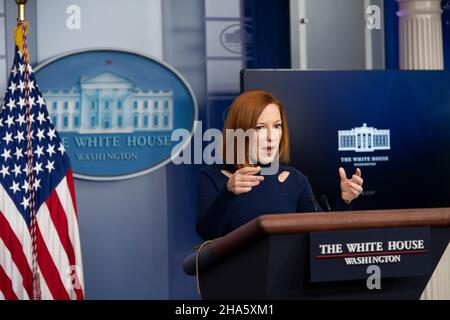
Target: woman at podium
255	178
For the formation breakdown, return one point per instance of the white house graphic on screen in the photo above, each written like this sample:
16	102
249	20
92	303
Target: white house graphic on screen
364	139
109	103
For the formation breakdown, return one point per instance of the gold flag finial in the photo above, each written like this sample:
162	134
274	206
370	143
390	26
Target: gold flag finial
21	30
21	4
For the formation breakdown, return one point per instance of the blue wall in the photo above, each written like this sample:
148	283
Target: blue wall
185	50
124	244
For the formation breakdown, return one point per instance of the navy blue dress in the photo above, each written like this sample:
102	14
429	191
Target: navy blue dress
220	211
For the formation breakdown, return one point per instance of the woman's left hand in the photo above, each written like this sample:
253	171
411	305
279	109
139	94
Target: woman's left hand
350	188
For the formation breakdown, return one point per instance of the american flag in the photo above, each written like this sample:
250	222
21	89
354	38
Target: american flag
58	271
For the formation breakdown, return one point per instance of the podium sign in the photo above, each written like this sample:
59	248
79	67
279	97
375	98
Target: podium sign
346	255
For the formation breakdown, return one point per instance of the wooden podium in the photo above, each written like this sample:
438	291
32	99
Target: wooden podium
268	258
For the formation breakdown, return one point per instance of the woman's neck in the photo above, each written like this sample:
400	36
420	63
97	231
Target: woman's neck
231	167
264	165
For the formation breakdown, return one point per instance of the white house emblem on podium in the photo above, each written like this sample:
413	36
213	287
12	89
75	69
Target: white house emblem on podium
364	139
109	103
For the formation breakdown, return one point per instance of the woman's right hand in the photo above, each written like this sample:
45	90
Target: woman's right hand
243	180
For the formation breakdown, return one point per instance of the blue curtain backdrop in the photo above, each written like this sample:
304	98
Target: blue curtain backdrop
271	36
446	33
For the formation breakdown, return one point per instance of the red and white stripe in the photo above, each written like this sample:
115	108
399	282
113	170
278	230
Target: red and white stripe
58	245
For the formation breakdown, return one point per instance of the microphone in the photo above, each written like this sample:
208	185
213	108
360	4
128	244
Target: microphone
313	200
325	201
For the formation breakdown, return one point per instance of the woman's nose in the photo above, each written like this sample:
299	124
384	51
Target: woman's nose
269	134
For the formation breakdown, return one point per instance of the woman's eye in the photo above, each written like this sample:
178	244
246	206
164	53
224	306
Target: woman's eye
278	126
259	127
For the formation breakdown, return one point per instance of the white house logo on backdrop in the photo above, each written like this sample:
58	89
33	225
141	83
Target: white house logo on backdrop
116	111
368	147
234	36
108	103
364	139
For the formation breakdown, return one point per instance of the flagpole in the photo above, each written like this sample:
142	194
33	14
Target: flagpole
20	36
21	4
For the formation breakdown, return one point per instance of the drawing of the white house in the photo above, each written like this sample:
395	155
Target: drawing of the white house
109	103
364	139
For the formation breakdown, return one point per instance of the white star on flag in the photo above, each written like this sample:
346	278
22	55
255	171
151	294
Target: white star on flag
17	171
4	171
39	151
41	118
50	166
8	138
12	87
51	150
15	187
21	103
6	154
11	104
25	203
40	134
10	121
